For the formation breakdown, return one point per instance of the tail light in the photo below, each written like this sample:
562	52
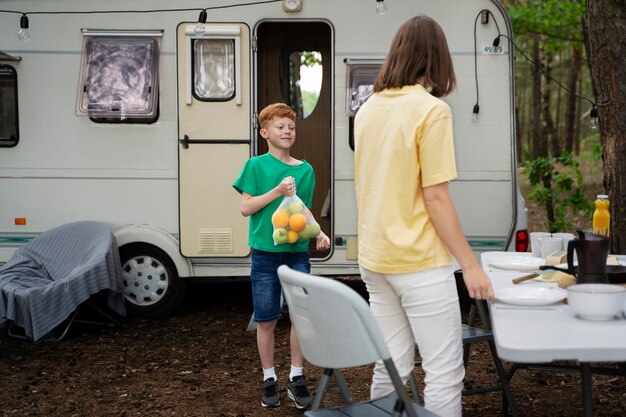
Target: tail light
521	240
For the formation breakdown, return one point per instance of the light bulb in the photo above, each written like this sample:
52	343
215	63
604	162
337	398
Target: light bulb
292	5
475	113
23	34
381	7
199	29
593	117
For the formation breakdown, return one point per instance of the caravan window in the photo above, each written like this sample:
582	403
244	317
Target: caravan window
360	77
9	128
119	77
214	69
305	81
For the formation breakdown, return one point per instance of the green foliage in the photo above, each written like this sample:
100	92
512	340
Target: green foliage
556	19
557	183
311	58
592	143
309	101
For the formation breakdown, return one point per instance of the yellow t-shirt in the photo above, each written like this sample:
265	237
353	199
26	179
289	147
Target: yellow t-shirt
403	142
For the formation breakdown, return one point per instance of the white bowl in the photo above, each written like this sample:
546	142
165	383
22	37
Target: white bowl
596	301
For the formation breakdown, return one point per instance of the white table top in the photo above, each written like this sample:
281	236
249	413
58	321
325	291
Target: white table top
547	333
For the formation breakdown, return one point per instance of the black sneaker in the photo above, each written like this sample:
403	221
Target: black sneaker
298	391
271	397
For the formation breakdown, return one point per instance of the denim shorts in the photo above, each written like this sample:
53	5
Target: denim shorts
266	290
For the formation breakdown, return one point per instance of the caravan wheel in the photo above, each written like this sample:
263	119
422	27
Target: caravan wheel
152	287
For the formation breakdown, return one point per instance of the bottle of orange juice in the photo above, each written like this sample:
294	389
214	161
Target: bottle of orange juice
601	216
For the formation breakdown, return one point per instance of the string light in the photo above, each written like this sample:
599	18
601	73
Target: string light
593	121
593	117
381	7
199	29
23	34
593	114
484	14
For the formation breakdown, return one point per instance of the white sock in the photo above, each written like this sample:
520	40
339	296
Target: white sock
269	373
296	371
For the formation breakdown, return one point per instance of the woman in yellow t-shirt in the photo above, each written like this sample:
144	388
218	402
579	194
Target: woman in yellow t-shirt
408	226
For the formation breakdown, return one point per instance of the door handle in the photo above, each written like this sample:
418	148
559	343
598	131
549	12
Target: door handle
184	142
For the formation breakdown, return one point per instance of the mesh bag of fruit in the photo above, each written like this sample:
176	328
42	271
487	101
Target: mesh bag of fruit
293	221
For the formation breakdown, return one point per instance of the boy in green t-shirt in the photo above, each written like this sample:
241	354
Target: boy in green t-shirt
262	183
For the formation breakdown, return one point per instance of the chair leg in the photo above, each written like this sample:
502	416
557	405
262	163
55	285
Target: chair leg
109	320
71	320
63	328
11	332
466	353
398	408
322	388
251	324
471	317
482	313
343	387
414	390
399	388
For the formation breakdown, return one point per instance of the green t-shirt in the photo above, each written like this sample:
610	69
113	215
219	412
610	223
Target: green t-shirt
261	174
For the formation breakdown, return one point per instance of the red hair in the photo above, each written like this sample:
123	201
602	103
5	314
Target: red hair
275	110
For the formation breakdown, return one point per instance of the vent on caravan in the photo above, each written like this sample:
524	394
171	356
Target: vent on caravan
215	241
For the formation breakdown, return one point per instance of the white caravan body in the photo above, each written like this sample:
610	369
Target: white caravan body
157	160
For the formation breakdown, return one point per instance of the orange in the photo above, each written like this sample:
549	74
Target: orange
297	222
292	236
280	218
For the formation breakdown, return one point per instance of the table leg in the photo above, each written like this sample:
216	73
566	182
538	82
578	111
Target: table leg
585	369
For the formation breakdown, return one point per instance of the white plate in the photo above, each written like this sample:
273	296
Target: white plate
530	296
517	263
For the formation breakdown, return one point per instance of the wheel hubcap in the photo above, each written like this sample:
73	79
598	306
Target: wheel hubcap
145	280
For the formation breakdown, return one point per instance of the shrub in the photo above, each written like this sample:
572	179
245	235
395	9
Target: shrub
557	183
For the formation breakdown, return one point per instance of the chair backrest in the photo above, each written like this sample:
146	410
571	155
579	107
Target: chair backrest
333	322
65	248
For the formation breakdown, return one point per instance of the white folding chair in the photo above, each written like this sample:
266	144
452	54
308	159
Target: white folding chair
336	329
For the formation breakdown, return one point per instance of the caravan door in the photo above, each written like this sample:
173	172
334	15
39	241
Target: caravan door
214	134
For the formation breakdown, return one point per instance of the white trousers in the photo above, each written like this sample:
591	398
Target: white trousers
420	307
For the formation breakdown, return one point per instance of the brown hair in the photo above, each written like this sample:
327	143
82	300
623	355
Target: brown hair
418	54
275	110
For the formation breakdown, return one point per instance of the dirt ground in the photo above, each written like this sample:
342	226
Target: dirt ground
201	361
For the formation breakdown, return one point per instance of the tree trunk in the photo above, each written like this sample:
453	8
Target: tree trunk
572	85
539	146
605	24
549	135
558	129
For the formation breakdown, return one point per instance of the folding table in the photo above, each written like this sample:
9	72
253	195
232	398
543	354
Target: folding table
546	333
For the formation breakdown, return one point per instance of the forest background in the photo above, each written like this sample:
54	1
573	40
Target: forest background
558	140
571	92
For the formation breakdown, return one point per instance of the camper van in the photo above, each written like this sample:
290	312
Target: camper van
141	114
